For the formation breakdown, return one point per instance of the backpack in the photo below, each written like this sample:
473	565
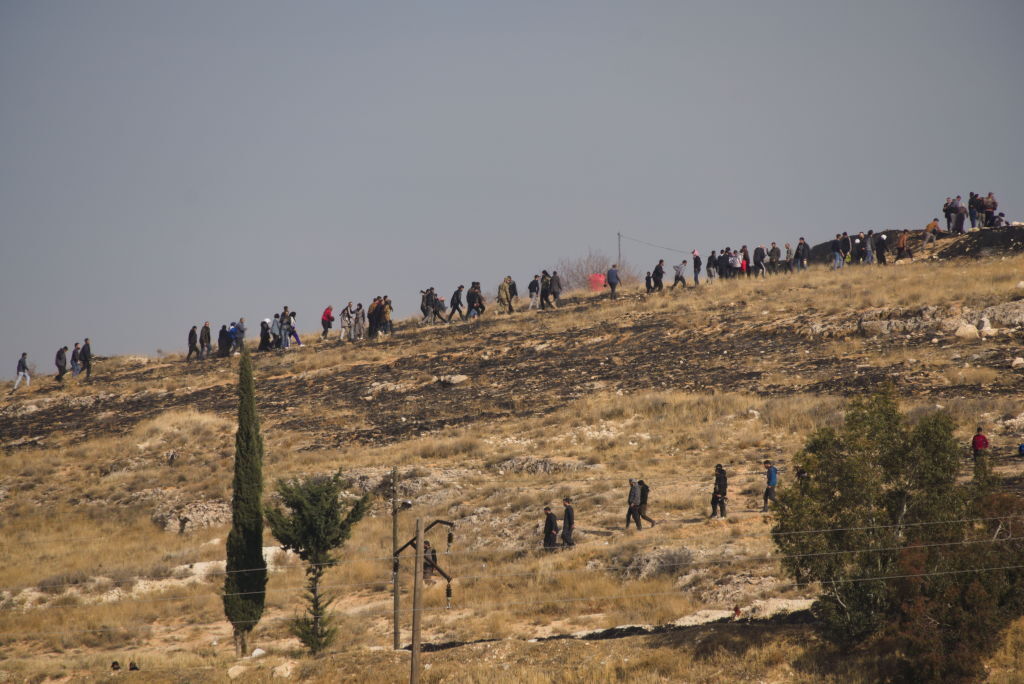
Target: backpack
1020	450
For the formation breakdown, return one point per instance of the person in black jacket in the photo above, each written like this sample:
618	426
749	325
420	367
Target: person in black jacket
429	562
76	360
802	255
658	276
61	361
534	289
881	248
645	491
513	291
550	530
86	358
568	522
696	268
193	344
718	495
456	304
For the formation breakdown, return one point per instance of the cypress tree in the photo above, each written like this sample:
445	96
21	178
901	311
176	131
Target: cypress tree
246	578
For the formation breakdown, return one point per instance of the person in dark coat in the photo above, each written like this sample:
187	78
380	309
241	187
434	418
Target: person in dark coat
223	341
193	344
649	283
86	358
611	279
204	342
513	290
61	361
456	304
881	248
568	522
696	268
658	276
265	338
550	530
545	291
718	495
645	491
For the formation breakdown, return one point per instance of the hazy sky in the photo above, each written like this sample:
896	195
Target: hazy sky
162	163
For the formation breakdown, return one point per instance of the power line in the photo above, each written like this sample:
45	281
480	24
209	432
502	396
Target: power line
651	244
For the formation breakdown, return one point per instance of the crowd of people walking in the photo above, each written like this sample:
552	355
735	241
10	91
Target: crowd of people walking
545	289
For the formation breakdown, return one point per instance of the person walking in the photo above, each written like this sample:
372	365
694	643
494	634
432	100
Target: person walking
545	291
513	290
645	492
696	268
275	332
292	329
22	373
973	201
771	482
658	276
881	248
649	283
456	304
204	342
869	248
611	279
633	502
680	277
534	289
550	530
76	360
61	361
929	232
837	253
327	322
719	493
802	255
85	357
193	344
504	296
556	287
568	522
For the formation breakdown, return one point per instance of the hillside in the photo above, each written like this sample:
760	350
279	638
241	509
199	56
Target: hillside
113	494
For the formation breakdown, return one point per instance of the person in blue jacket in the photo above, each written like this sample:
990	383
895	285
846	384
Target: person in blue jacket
612	279
771	482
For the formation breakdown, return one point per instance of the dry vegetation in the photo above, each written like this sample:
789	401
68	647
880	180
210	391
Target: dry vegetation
88	577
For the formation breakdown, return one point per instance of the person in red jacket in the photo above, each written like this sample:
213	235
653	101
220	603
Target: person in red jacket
327	321
979	444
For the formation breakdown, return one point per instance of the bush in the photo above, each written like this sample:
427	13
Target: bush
933	595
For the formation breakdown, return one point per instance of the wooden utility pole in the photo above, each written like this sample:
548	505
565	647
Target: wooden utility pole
417	605
394	550
620	249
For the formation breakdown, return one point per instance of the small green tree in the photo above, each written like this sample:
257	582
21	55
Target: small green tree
246	579
313	526
896	553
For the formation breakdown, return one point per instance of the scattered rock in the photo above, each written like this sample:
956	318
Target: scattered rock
258	653
449	380
237	671
527	464
1017	363
967	332
284	670
175	517
658	562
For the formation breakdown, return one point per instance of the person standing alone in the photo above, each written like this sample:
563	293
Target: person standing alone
771	482
718	495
